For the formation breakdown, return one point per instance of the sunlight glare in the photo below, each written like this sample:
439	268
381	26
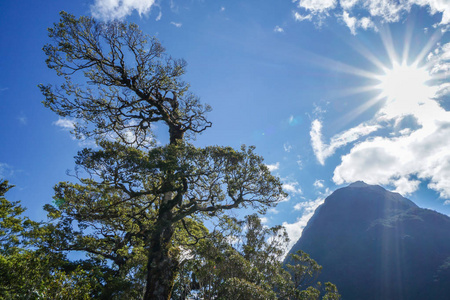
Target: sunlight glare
405	84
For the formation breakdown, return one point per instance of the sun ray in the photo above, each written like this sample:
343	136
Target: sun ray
407	42
354	113
355	90
338	66
368	55
386	38
427	48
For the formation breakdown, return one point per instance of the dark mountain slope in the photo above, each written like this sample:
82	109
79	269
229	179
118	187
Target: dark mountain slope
375	244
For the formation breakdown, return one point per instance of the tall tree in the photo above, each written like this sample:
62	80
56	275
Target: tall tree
117	83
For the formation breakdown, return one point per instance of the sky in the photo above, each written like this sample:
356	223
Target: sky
329	91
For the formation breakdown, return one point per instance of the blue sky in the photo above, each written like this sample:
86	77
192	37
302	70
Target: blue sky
316	85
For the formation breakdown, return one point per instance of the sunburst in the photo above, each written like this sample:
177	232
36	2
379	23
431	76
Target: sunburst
400	86
405	83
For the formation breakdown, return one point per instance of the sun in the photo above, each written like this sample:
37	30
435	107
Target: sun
398	84
405	83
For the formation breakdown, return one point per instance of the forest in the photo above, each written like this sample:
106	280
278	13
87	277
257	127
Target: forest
144	219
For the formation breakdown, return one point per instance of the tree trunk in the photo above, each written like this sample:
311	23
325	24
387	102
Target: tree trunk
162	266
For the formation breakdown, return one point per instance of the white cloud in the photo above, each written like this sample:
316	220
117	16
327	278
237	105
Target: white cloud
222	8
159	16
294	230
299	17
366	23
278	29
292	188
307	208
353	23
323	151
65	124
273	167
396	161
264	220
273	210
317	5
318	184
440	6
440	60
348	4
381	10
119	9
178	25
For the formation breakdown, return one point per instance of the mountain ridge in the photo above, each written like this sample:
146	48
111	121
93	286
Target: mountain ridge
376	244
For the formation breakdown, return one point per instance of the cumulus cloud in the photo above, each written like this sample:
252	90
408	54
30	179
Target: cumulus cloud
292	188
440	60
65	124
383	11
396	161
411	154
353	23
318	184
316	5
273	167
119	9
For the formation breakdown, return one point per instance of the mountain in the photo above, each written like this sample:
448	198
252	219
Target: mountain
375	244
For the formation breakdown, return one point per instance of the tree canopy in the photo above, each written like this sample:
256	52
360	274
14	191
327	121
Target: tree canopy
243	262
139	200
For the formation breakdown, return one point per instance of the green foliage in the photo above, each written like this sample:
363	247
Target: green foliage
30	273
249	267
241	261
11	223
112	219
27	274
